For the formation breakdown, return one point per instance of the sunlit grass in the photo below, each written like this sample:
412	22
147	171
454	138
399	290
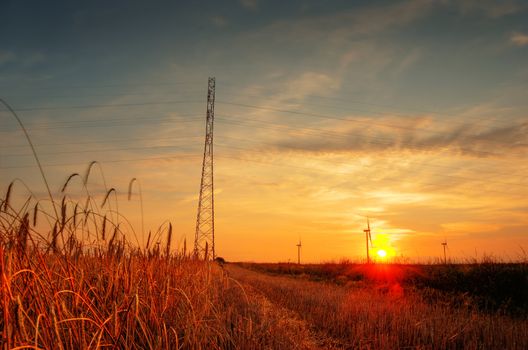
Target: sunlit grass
77	281
383	314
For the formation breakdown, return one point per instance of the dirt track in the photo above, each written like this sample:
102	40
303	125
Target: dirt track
299	330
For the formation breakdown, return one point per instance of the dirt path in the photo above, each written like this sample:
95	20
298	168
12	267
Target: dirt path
302	332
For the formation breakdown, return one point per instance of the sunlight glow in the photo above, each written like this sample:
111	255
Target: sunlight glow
383	247
382	253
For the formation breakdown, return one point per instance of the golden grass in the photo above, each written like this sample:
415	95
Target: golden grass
366	317
133	302
76	282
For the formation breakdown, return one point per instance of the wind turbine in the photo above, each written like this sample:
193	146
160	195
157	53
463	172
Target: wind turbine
299	245
444	244
368	238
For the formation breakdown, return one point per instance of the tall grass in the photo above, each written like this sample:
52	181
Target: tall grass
82	284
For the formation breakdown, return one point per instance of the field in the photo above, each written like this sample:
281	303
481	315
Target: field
375	315
133	302
488	286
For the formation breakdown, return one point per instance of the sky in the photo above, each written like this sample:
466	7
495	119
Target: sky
411	113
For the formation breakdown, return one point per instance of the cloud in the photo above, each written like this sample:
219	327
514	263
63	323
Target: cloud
519	39
491	8
337	28
419	134
6	57
249	4
289	91
469	227
27	60
219	21
409	60
376	19
309	83
35	59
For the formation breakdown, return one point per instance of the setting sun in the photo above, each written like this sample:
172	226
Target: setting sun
382	253
383	246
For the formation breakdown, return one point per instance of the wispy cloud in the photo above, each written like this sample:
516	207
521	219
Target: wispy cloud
409	60
309	83
219	21
6	57
343	25
249	4
519	39
419	134
491	8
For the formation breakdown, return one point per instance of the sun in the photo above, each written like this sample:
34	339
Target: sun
382	253
382	247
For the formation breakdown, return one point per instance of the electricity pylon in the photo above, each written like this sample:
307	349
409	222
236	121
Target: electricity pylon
204	238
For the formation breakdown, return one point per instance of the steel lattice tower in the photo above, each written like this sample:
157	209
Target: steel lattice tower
204	242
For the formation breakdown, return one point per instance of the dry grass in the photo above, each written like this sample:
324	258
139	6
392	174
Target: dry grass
386	317
74	281
489	285
133	302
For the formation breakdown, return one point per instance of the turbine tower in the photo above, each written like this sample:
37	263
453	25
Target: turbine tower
444	244
204	239
368	238
299	245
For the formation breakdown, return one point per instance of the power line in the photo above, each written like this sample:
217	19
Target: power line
246	119
109	105
124	94
187	156
316	131
322	116
112	141
352	101
228	86
184	156
415	163
99	86
293	112
89	106
96	150
112	123
398	180
134	120
229	146
243	121
296	129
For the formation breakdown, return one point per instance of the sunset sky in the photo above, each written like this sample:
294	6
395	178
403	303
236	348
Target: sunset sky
412	113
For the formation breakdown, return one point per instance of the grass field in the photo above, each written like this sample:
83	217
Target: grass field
387	316
489	285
